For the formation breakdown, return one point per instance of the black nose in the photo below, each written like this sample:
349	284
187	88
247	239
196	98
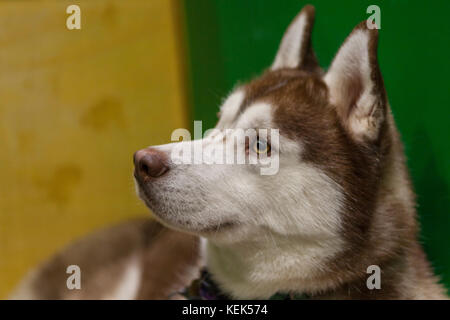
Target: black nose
150	163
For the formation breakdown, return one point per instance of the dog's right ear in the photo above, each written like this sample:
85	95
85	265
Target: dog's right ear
295	50
356	86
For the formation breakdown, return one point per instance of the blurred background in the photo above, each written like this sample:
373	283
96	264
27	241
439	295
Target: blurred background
76	104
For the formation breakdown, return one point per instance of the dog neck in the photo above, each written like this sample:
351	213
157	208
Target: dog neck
260	269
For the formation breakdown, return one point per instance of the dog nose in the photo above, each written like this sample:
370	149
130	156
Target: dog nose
150	162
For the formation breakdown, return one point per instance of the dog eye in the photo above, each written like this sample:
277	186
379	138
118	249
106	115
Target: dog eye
261	146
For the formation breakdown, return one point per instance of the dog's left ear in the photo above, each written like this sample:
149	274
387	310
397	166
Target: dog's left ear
295	50
355	84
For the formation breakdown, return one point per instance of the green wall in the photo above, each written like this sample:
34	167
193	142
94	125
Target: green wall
234	40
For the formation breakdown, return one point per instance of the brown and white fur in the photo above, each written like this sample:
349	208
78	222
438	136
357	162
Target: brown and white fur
341	201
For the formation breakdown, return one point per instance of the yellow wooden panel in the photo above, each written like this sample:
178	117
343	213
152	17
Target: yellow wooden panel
74	106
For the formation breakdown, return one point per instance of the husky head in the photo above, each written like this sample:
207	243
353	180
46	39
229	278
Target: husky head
330	142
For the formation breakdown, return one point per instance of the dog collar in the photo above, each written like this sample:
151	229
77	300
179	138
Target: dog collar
204	288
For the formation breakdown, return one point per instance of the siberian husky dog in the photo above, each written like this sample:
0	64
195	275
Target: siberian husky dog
338	204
